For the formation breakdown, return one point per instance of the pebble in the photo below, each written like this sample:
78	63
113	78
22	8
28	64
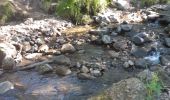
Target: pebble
84	69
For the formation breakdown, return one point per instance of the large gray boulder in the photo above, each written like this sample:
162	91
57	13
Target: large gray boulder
128	89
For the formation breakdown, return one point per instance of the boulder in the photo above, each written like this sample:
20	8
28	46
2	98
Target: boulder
43	69
8	63
68	48
62	60
62	70
128	89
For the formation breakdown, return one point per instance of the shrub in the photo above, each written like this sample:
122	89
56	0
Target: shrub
153	87
75	9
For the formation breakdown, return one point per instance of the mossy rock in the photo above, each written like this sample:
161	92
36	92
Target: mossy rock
128	89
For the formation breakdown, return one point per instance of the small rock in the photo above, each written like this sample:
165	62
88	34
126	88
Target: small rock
61	59
53	52
85	76
26	46
5	86
139	52
68	48
167	29
167	42
114	34
131	63
43	69
126	65
84	69
62	70
120	45
145	75
43	48
31	56
165	60
81	51
141	63
126	27
138	40
113	54
96	73
8	63
106	39
1	72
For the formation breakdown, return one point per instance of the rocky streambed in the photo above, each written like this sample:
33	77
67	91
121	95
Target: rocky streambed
51	59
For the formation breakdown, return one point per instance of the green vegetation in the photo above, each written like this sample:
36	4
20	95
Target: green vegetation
75	9
7	12
153	87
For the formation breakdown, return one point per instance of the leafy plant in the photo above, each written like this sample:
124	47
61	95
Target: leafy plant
75	9
153	87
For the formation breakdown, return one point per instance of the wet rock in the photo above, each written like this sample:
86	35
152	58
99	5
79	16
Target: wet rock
43	48
164	20
167	29
62	70
126	27
141	63
5	86
165	60
68	48
128	64
139	52
8	63
121	45
1	72
61	59
85	76
128	89
167	42
26	46
84	69
96	73
43	69
106	39
138	40
145	75
113	54
114	34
